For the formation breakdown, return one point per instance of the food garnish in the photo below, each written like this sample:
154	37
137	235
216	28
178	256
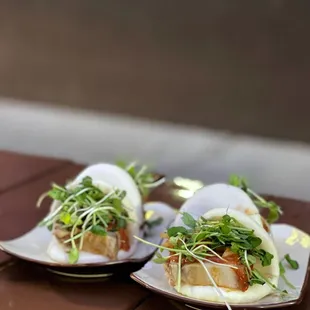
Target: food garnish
144	179
205	240
274	209
83	209
293	265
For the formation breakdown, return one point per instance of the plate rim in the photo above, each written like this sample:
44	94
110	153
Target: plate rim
67	265
201	303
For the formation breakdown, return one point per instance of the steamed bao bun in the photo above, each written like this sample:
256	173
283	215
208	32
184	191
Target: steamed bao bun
219	195
106	177
253	293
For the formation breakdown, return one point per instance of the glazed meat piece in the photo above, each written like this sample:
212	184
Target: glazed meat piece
195	274
108	245
224	276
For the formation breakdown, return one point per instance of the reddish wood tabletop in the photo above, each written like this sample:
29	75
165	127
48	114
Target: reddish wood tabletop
26	286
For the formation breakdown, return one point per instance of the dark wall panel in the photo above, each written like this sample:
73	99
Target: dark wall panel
236	65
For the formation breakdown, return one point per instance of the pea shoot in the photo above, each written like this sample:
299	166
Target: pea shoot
83	209
274	209
144	179
293	265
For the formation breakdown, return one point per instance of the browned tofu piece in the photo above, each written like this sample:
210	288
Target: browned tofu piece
195	274
103	245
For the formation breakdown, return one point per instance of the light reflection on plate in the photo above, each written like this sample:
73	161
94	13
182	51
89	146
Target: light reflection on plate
81	276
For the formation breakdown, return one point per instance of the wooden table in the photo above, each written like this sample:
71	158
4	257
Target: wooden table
26	286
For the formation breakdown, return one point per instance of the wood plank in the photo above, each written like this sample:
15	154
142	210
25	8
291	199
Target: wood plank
155	302
17	169
24	286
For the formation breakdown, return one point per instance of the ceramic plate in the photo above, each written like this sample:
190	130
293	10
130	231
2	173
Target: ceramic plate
288	239
33	247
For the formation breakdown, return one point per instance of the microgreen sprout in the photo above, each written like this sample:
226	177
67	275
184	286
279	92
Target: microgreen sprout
84	209
144	179
274	209
293	265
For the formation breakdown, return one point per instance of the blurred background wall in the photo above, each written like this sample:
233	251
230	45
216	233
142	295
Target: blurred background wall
242	66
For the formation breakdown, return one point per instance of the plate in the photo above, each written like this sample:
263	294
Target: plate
288	239
32	247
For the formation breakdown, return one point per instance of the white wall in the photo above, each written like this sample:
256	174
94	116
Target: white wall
274	167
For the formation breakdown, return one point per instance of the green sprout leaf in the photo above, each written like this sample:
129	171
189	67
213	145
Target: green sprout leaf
251	259
235	247
98	230
255	242
274	210
283	276
255	280
65	217
117	204
293	263
159	259
258	277
76	220
87	181
73	255
226	219
267	259
58	193
188	220
234	180
143	179
238	181
174	231
225	229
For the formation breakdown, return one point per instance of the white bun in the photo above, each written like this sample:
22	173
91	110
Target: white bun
106	177
255	292
219	195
